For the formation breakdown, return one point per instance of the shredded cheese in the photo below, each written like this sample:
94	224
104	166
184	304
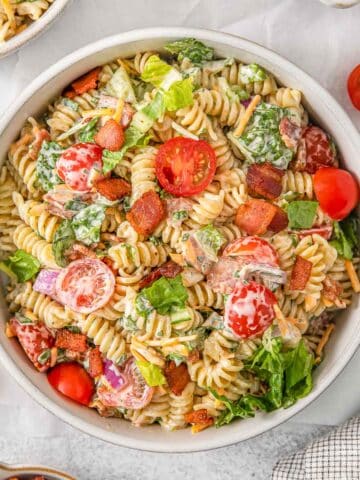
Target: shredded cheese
198	427
9	332
119	109
354	279
178	258
324	340
281	321
99	112
247	115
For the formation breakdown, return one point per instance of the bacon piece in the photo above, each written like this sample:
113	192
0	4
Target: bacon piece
300	273
40	136
324	232
279	222
177	377
199	417
255	216
315	151
290	133
71	341
146	213
84	83
264	180
113	188
96	366
194	356
110	136
35	339
332	289
77	251
169	270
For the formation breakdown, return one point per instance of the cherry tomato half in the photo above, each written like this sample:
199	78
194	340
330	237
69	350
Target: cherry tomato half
85	285
353	86
134	394
77	164
185	167
252	250
249	310
73	381
337	191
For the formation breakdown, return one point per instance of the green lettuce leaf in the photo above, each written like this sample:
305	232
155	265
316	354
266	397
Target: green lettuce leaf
345	237
87	223
179	95
64	238
20	266
192	49
165	293
46	163
211	240
152	374
120	86
87	133
155	71
301	213
155	109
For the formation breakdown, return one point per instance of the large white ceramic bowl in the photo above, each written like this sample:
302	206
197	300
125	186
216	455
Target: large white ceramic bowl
323	108
34	29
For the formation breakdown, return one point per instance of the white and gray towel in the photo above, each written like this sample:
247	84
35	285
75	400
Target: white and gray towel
333	457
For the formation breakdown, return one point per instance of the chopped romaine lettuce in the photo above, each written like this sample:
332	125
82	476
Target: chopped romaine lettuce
217	65
46	163
159	73
252	73
120	86
64	238
152	374
87	133
211	240
165	293
87	223
346	237
179	95
301	213
192	49
20	266
152	111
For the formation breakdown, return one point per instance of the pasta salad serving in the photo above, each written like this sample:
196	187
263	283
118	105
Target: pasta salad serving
17	15
178	237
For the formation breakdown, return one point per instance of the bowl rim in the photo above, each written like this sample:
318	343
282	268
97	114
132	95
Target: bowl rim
33	30
25	469
341	117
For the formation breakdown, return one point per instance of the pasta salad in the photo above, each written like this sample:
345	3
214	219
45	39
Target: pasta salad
178	238
17	15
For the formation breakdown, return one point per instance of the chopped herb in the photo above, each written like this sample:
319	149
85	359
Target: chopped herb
180	215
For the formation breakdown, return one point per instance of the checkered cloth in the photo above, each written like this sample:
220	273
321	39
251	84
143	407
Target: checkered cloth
334	457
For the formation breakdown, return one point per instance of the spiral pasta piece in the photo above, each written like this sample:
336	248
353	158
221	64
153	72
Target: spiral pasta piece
298	182
194	119
179	406
201	295
158	409
26	239
143	177
206	207
218	104
146	254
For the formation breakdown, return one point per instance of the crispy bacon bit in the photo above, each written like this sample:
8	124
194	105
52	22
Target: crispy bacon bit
300	273
255	216
199	418
110	136
332	289
71	341
113	188
35	339
83	84
77	251
177	377
40	136
146	213
314	151
194	356
264	180
324	232
279	222
110	263
290	133
169	270
96	366
127	114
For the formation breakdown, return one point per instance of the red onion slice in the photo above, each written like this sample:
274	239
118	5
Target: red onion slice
45	282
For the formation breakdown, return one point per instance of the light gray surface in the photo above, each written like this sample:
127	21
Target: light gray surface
322	41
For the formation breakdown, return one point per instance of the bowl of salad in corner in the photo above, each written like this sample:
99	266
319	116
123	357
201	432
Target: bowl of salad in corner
199	339
31	472
21	21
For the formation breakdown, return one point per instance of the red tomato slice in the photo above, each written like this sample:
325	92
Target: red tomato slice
249	310
73	381
253	250
337	192
35	339
353	86
85	285
185	167
135	393
77	164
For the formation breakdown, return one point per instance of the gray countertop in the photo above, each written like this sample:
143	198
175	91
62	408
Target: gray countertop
304	31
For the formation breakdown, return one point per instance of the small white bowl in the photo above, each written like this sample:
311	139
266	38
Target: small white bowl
27	472
325	111
34	29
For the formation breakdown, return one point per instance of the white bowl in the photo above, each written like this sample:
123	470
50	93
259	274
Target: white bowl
34	29
27	472
324	109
